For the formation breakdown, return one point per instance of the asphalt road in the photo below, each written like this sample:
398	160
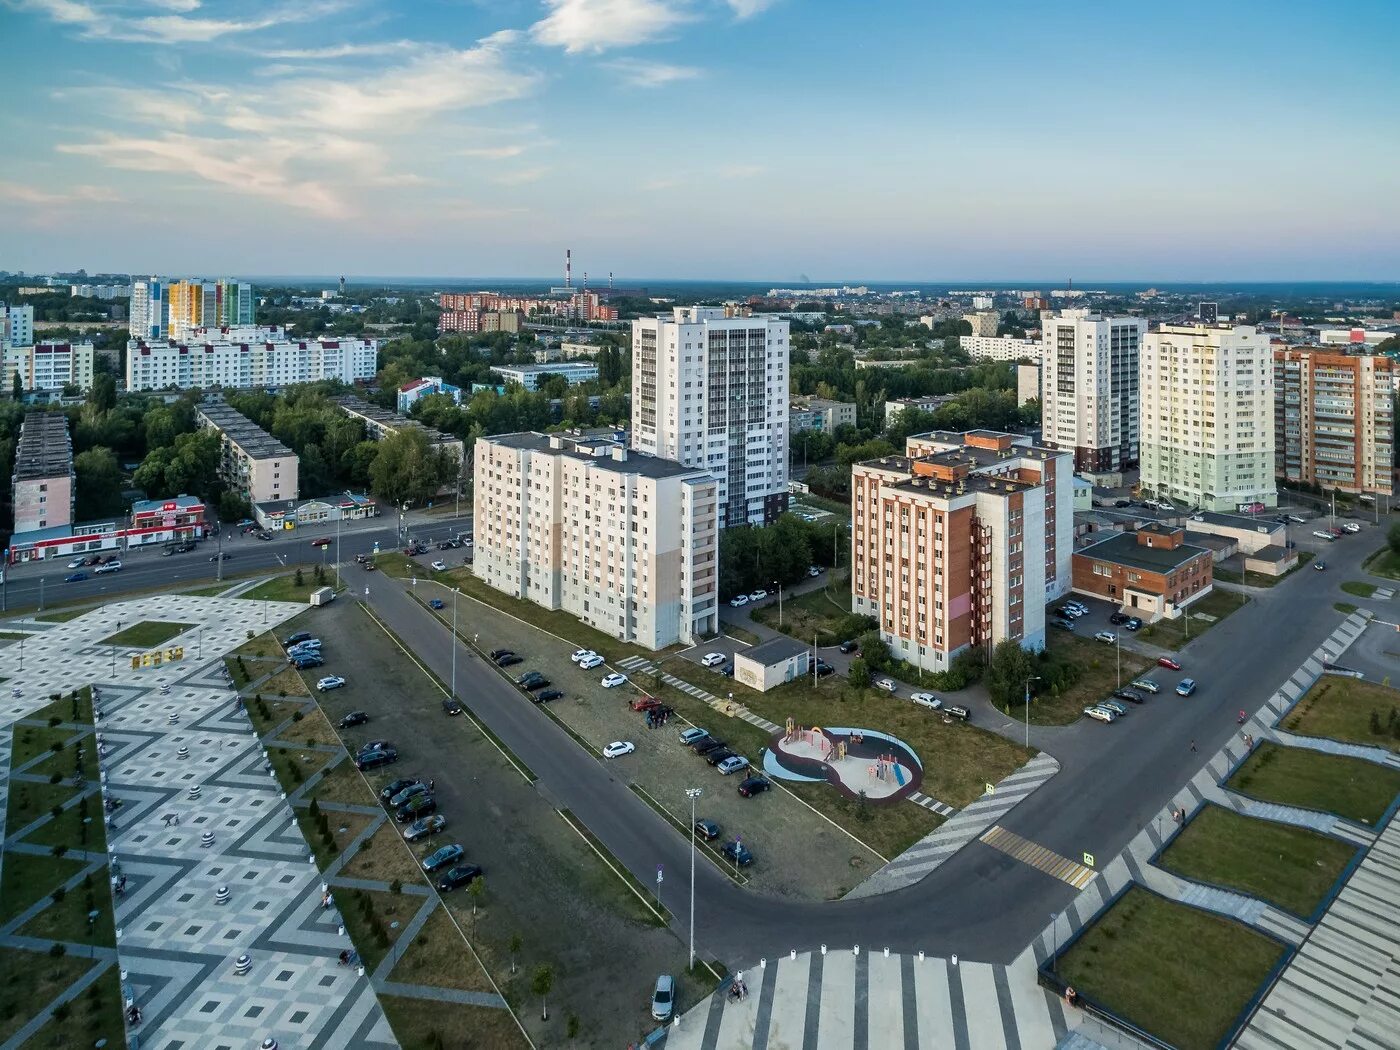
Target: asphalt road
981	904
29	586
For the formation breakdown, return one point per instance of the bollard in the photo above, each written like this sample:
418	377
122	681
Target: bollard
242	965
887	951
921	955
360	970
173	718
221	895
955	960
763	964
856	950
194	792
792	955
340	931
182	752
207	839
269	1043
823	949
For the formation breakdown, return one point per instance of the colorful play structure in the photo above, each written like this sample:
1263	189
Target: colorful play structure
157	657
887	773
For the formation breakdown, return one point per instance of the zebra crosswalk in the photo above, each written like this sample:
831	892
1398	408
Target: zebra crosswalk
932	804
1038	856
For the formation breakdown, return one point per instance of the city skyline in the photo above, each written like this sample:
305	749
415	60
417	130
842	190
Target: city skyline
449	138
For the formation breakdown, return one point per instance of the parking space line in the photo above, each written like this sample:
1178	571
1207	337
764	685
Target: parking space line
1037	856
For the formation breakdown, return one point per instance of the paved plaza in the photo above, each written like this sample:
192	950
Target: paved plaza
215	865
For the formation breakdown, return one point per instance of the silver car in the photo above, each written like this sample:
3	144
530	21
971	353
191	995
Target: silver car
663	999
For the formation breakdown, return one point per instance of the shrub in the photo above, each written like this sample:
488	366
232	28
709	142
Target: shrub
396	886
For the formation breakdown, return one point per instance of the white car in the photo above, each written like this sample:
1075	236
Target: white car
612	680
1323	535
111	566
333	681
927	700
591	661
887	684
581	654
814	571
712	660
77	563
1103	714
618	748
1107	637
439	566
1351	526
757	596
739	602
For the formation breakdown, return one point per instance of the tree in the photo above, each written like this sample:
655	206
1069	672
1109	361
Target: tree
859	673
1006	675
541	984
103	393
99	484
17	387
515	945
1393	538
874	651
408	470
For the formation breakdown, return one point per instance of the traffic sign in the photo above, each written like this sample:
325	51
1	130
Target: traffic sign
991	789
1088	860
658	874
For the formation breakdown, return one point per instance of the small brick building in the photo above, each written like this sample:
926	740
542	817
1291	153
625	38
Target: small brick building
1152	572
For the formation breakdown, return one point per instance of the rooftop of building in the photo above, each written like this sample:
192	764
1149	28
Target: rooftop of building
555	366
1210	541
1274	552
174	503
819	403
392	420
1238	521
45	449
601	447
775	650
341	499
253	440
1123	548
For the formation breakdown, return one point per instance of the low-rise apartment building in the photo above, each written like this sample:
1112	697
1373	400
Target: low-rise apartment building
380	423
43	486
1152	573
984	323
49	366
529	376
246	357
961	542
928	403
817	413
253	463
625	541
1000	348
1334	419
410	393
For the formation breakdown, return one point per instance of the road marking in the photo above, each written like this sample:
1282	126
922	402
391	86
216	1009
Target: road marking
1037	856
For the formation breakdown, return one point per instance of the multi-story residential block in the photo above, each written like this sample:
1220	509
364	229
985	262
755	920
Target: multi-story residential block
195	305
1152	573
927	403
246	357
1208	416
1089	390
1334	419
380	424
1000	348
415	389
627	542
50	366
148	318
818	413
254	463
528	376
1028	386
16	326
1355	337
984	323
961	542
43	488
712	391
100	291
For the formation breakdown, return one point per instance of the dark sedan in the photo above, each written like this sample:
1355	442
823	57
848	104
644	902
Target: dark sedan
461	875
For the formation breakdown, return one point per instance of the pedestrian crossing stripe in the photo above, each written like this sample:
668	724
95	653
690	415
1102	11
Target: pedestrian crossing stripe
1037	856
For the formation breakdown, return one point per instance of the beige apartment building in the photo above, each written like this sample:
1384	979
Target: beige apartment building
1334	419
961	542
625	541
253	463
42	487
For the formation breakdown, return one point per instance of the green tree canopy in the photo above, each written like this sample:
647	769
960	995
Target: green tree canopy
99	484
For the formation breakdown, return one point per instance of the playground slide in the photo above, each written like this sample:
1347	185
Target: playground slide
898	775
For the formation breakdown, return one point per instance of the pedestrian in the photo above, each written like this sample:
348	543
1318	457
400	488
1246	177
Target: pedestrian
431	783
121	884
1248	740
1193	745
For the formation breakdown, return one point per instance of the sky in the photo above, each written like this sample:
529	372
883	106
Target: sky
773	140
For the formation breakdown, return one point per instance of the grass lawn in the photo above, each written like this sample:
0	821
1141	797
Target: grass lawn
147	634
62	708
824	614
278	711
63	615
739	634
1098	677
212	591
326	852
420	1024
1292	867
1183	975
284	589
345	784
97	1014
33	741
1345	608
312	728
67	828
1348	709
265	644
30	980
438	957
67	920
66	761
29	877
28	802
389	908
1350	787
294	764
13	636
286	682
1385	562
1172	634
1258	579
384	856
1361	590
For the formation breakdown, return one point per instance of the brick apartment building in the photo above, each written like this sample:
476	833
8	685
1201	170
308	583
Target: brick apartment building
1152	572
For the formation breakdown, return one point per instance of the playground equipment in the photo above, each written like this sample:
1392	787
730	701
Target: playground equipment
156	657
886	767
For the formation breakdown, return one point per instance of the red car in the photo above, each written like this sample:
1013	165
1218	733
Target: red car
321	542
645	703
1169	663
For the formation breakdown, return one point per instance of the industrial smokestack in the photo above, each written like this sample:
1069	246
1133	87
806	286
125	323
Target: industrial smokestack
610	284
568	267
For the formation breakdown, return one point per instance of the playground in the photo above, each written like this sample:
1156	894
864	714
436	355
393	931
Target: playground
855	761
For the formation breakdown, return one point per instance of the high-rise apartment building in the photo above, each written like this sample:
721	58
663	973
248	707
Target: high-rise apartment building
193	305
1208	416
1089	390
711	391
148	319
626	542
1334	419
43	487
16	326
984	323
49	366
961	542
245	357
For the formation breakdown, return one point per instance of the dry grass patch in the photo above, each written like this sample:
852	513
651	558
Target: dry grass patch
313	728
439	957
286	682
384	856
420	1024
1349	709
345	784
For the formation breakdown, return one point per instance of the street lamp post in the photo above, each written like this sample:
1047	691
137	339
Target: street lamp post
779	585
1028	708
1118	656
692	794
337	549
455	642
1055	941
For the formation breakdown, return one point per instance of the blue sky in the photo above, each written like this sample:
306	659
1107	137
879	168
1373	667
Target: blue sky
744	139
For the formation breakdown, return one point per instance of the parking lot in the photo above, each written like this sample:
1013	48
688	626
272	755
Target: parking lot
543	881
797	852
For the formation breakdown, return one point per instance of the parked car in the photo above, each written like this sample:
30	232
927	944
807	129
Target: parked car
727	669
707	745
403	794
300	636
439	566
436	603
663	998
707	829
510	660
694	733
546	695
1132	623
1107	637
375	759
1168	663
331	681
354	718
77	563
1101	714
1186	687
424	827
814	571
452	706
184	548
733	764
1147	685
1323	535
441	858
1130	695
824	669
75	577
643	703
1114	706
590	662
1320	565
106	567
1117	618
611	681
737	853
460	875
1351	526
758	595
581	654
718	755
754	785
1064	623
848	646
528	677
711	659
962	714
927	700
392	788
496	654
739	601
305	663
618	748
536	684
887	684
415	807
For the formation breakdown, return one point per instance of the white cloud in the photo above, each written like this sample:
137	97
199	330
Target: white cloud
491	152
522	175
639	73
748	8
19	193
387	47
598	25
65	12
106	21
184	6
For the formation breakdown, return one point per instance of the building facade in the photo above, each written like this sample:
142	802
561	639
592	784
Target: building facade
711	391
380	424
253	463
50	366
246	357
999	348
928	403
1208	416
147	317
960	542
984	323
43	487
1089	390
1028	385
1334	420
816	413
1152	573
16	326
626	542
529	376
192	305
415	389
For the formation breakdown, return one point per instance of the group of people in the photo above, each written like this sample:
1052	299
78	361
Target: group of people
738	990
118	884
658	718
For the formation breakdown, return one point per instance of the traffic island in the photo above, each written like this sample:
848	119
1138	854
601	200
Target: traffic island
1350	710
1352	788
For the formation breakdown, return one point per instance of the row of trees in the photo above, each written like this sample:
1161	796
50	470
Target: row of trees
750	558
